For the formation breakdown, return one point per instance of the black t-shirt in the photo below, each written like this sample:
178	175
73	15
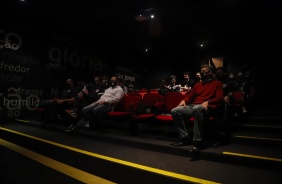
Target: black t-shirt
68	92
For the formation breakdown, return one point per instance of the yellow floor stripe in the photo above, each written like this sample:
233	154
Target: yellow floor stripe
262	126
130	164
259	138
253	156
21	120
61	167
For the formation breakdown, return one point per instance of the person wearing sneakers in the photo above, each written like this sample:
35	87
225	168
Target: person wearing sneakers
56	106
197	104
89	94
94	113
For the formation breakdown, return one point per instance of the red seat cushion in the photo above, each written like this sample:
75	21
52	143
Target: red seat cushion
118	114
210	118
164	117
144	116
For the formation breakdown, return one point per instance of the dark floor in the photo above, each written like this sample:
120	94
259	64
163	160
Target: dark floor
35	154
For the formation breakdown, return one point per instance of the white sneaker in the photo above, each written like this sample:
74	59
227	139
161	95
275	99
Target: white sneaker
86	124
244	110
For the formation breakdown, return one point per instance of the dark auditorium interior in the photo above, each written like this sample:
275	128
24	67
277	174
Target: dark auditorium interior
44	42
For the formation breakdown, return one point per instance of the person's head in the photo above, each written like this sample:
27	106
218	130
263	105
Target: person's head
114	81
105	80
207	72
96	80
69	82
186	75
231	75
172	79
219	72
198	75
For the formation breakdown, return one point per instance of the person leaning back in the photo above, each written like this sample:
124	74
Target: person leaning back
197	104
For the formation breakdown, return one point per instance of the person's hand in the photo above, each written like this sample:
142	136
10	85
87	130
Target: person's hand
101	102
80	95
60	101
205	105
182	103
84	91
227	100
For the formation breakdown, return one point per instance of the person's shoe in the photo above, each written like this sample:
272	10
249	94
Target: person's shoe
184	141
71	128
197	147
244	110
70	113
86	124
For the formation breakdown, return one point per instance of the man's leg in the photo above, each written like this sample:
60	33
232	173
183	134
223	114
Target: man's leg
179	115
87	111
199	117
99	112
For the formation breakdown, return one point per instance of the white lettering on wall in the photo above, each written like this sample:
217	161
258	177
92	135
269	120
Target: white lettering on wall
19	98
59	57
14	68
11	41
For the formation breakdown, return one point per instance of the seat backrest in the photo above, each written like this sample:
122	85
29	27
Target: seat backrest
172	99
135	94
150	99
238	97
125	104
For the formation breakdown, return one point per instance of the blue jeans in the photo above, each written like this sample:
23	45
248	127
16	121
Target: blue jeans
95	113
180	114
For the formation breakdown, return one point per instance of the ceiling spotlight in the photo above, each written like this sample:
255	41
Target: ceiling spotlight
145	14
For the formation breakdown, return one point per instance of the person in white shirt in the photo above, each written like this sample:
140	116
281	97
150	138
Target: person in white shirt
96	111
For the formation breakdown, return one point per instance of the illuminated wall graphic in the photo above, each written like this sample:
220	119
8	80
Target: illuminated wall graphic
34	68
217	62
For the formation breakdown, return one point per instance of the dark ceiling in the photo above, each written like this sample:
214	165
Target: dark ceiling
223	26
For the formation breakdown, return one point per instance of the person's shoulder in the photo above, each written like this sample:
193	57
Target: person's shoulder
197	84
217	81
118	87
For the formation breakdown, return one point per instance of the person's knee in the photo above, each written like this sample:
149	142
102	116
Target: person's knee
198	108
84	111
173	111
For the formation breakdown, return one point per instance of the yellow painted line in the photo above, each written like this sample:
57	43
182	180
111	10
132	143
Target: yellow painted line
61	167
22	120
260	138
253	156
262	126
126	163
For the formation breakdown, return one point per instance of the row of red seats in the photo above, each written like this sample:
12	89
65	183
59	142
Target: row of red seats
147	108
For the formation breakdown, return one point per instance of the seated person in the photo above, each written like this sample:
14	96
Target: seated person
197	104
94	113
186	83
163	89
198	77
55	107
229	89
89	94
169	86
172	87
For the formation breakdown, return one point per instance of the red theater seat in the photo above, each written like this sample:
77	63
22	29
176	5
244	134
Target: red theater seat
125	107
135	94
124	112
172	99
148	106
